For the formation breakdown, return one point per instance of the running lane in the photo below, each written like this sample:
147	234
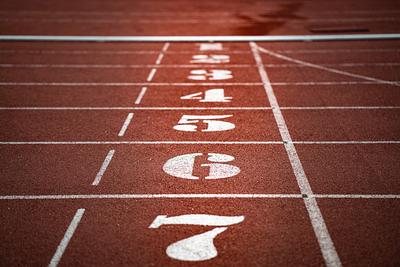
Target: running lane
199	154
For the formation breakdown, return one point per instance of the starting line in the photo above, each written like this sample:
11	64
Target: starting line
230	38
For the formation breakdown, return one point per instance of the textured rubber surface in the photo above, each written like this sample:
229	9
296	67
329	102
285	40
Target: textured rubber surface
98	140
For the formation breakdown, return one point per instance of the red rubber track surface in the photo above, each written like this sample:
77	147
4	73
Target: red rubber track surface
68	108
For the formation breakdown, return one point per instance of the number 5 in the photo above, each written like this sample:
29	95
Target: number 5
213	125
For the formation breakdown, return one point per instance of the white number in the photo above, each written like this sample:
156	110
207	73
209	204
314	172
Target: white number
211	95
211	47
210	59
199	247
182	166
188	123
212	75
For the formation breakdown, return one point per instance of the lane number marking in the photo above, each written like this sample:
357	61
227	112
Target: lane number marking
188	123
211	47
212	75
182	166
199	247
210	59
211	95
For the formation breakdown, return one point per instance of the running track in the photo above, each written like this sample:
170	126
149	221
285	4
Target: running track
198	153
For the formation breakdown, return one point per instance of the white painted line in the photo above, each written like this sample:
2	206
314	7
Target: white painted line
360	142
356	196
324	51
105	52
145	196
203	108
121	66
103	167
158	61
67	237
151	75
184	196
234	38
118	84
321	231
320	67
141	142
163	51
382	142
125	125
140	96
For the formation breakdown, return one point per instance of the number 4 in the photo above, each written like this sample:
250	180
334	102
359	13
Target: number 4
211	95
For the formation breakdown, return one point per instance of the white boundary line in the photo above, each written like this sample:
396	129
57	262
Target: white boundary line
134	52
140	96
317	221
129	66
324	68
125	125
158	62
203	108
180	196
183	196
103	167
361	142
119	84
256	38
67	237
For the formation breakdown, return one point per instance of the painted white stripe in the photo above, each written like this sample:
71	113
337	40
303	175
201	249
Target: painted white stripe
118	84
106	52
151	75
203	108
177	196
163	51
233	38
103	167
141	142
381	142
125	125
321	231
355	196
324	51
140	96
320	67
67	237
121	66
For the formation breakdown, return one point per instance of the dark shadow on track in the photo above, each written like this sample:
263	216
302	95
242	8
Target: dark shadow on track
265	23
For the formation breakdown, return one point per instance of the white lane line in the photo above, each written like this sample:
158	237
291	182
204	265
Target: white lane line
158	62
184	84
318	223
106	52
168	196
151	74
323	51
67	237
320	67
357	196
230	38
125	125
140	96
381	142
137	66
161	55
103	167
203	108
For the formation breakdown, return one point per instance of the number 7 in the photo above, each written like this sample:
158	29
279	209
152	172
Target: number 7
199	247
